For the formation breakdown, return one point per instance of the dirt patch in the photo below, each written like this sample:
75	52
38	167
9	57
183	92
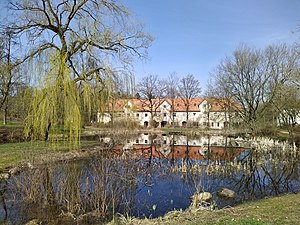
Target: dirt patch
11	135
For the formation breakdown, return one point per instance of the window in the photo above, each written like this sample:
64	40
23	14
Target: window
137	115
165	114
218	124
174	114
194	114
195	104
146	141
146	114
165	106
165	142
212	124
137	141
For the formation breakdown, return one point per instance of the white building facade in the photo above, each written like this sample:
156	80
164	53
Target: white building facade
199	112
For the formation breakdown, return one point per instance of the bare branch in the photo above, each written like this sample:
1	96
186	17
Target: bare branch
37	51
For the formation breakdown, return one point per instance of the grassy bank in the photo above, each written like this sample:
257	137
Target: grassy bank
14	154
277	210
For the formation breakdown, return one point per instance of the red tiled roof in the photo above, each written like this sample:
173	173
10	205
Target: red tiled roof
223	104
182	152
179	104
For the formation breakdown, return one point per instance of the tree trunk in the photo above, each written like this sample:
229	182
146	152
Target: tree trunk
47	132
5	116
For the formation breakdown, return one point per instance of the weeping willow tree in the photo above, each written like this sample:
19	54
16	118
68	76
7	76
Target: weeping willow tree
77	48
55	107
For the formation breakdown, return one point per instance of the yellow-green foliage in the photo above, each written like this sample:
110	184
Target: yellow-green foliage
60	102
55	107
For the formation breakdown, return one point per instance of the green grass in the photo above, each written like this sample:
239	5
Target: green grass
13	154
270	211
11	124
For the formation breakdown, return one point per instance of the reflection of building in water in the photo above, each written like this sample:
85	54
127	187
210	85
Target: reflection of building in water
176	140
181	147
200	112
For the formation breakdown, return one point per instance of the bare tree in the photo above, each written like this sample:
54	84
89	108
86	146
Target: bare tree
81	42
243	77
78	30
285	107
8	72
171	92
189	88
151	92
254	78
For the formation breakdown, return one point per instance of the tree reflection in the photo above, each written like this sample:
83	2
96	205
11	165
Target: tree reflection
132	179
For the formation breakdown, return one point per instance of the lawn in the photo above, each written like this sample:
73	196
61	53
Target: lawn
14	154
270	211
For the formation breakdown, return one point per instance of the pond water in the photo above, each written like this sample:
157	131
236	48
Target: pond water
150	175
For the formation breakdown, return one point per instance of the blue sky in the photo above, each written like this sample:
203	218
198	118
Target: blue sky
192	36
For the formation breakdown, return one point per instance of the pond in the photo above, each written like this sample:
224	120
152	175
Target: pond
150	175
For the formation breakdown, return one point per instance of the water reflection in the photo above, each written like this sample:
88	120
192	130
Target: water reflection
183	147
150	175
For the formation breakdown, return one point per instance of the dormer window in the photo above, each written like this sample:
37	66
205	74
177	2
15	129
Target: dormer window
195	104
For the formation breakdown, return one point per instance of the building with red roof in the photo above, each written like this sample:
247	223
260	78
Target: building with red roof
214	113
